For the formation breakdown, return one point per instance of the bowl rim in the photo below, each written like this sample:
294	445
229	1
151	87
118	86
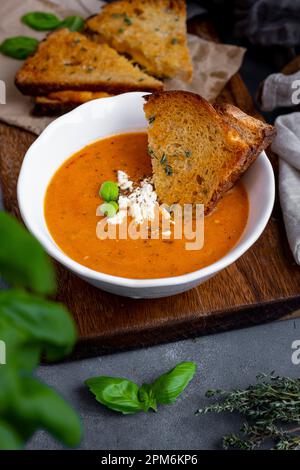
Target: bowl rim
55	252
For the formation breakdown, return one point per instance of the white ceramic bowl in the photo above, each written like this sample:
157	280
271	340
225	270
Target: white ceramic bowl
105	117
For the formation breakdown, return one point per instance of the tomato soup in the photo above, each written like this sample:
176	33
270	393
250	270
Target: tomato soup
73	196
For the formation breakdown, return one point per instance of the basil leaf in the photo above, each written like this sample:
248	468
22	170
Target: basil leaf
47	324
147	397
19	47
41	21
39	406
22	259
9	440
73	23
115	393
170	385
17	340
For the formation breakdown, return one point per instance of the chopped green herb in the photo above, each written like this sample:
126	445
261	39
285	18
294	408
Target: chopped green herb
163	159
121	30
150	151
174	41
169	170
188	153
141	79
90	69
151	119
127	21
117	15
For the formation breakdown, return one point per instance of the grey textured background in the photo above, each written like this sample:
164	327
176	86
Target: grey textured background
224	361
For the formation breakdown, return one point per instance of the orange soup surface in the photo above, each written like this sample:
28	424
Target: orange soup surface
72	198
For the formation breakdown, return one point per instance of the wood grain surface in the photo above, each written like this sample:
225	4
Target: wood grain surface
261	286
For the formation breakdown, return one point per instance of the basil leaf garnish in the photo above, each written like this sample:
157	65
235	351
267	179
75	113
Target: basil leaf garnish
116	394
170	385
41	21
23	262
73	23
147	397
126	397
19	47
31	326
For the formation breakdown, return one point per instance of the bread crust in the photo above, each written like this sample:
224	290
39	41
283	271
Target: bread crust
153	33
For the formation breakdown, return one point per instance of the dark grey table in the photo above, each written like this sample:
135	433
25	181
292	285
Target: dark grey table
224	361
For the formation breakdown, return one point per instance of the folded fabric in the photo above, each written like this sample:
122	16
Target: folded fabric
268	22
287	146
280	90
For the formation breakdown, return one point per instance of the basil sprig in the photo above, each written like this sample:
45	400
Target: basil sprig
31	326
19	47
126	397
73	23
41	21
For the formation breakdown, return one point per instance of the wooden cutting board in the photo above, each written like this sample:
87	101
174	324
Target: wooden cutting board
263	285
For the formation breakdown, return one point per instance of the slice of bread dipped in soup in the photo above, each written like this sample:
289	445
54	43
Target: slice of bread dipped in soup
197	151
152	32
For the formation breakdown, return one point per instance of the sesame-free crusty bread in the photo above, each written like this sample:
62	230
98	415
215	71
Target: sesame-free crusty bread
256	133
69	61
61	102
198	152
152	32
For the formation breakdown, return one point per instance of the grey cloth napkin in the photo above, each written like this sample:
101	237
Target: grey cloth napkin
268	22
280	90
287	146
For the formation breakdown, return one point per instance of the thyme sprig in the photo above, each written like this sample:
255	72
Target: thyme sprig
271	408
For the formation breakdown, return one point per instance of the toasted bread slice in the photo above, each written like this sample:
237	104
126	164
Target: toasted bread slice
68	60
197	154
61	102
256	133
152	32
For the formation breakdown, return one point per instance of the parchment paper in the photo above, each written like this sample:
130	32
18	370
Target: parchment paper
214	64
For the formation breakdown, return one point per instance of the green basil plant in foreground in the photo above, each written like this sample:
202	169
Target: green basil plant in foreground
125	396
20	47
31	326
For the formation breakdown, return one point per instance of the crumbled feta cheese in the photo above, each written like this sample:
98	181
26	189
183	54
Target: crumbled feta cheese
141	202
118	218
123	181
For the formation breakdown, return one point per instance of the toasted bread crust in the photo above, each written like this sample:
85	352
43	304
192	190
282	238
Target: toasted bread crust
258	134
68	60
211	151
152	32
